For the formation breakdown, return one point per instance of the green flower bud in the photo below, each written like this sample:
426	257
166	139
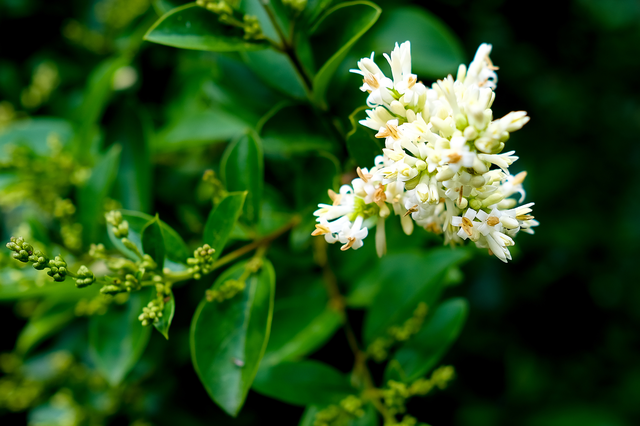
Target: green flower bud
85	277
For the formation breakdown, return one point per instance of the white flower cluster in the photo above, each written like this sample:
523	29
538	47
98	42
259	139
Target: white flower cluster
436	168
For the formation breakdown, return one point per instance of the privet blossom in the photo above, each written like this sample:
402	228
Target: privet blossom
443	167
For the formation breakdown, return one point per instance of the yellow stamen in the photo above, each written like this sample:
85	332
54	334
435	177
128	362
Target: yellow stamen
371	80
467	225
364	176
519	178
454	157
334	197
350	241
493	221
390	130
412	81
411	210
379	196
320	230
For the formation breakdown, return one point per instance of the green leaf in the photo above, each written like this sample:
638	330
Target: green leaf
200	128
153	241
221	221
96	97
242	169
176	251
228	339
117	338
34	133
92	194
314	9
362	145
306	382
333	37
163	324
301	324
132	131
266	12
49	318
424	350
292	129
193	27
435	49
276	70
407	279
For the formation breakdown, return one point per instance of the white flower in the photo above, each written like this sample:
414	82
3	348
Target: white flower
374	82
458	154
466	224
352	235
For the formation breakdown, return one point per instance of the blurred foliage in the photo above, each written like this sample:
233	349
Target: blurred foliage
550	339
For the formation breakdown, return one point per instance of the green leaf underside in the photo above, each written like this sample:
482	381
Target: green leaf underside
333	34
436	51
306	382
361	142
176	251
195	28
424	350
221	221
301	324
153	241
200	128
94	191
163	324
406	280
117	338
228	339
242	169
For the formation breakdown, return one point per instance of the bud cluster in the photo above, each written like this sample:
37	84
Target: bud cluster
201	262
396	394
249	23
436	168
348	409
120	227
379	348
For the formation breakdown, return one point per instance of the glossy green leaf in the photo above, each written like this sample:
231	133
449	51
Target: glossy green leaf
314	9
278	71
49	318
92	194
222	220
291	129
266	13
163	324
176	251
132	132
302	323
35	132
200	128
242	169
153	241
117	338
424	350
333	37
228	338
193	27
407	279
435	49
361	142
306	382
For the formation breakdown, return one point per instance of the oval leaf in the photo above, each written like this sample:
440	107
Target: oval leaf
153	241
424	350
163	324
176	251
407	279
276	70
306	382
242	170
117	338
301	323
334	36
228	338
193	27
221	221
